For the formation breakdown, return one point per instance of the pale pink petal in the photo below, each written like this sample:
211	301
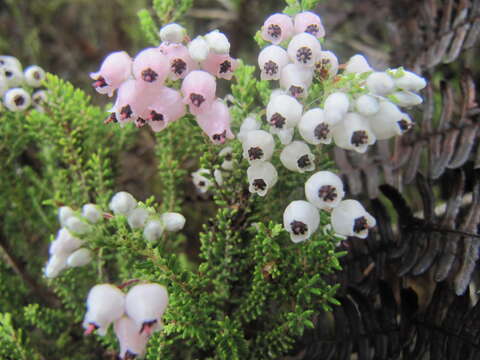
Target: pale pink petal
179	59
115	69
167	107
198	89
277	28
132	342
151	66
309	22
215	122
132	101
220	65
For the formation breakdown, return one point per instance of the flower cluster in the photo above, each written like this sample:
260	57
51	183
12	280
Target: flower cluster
143	97
135	315
20	88
66	250
138	217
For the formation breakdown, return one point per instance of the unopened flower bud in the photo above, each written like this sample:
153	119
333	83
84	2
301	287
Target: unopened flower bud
389	121
80	257
64	212
92	213
122	203
173	33
153	230
410	82
367	105
298	157
55	265
77	226
198	49
284	135
137	217
357	64
349	218
65	243
406	98
336	107
380	83
248	124
218	42
201	182
173	221
301	220
226	154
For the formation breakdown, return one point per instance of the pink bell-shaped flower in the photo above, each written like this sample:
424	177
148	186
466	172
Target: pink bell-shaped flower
277	28
220	65
132	343
179	59
115	69
132	100
167	107
215	122
151	66
199	89
309	22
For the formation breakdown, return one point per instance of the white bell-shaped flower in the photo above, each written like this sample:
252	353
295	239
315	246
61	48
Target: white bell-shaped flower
218	42
258	145
350	218
173	33
406	98
389	121
226	155
410	81
14	76
354	133
132	343
201	181
78	226
34	75
262	176
198	49
314	127
7	61
39	99
65	243
284	111
367	105
64	212
137	218
298	157
145	305
296	80
326	65
173	221
122	203
324	189
301	220
336	107
284	135
92	213
271	61
380	83
304	49
55	265
248	124
16	99
105	304
357	64
153	230
80	257
218	176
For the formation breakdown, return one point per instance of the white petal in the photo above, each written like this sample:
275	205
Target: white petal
122	203
92	213
336	107
380	83
153	230
297	156
198	49
314	127
301	220
172	33
367	105
284	111
324	189
173	221
354	133
258	145
137	218
79	257
262	176
218	42
304	49
357	64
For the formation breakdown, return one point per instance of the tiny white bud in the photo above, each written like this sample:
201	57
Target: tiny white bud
39	98
226	154
258	145
336	107
354	133
262	176
16	99
301	220
14	75
173	221
349	218
64	212
92	213
380	83
217	175
410	82
218	42
137	217
357	64
201	182
7	61
304	49
314	127
173	33
77	226
65	243
198	49
34	75
249	123
153	230
324	189
80	257
55	265
389	121
122	203
298	157
367	105
284	111
406	98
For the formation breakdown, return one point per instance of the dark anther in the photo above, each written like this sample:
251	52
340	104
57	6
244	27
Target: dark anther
225	67
304	54
259	184
100	82
129	355
298	227
277	120
360	224
229	102
178	66
147	324
126	112
270	67
111	118
140	122
404	125
201	183
149	75
321	131
197	99
219	137
274	31
295	91
36	75
327	193
303	161
19	100
359	137
255	153
155	116
312	29
228	157
8	73
322	67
